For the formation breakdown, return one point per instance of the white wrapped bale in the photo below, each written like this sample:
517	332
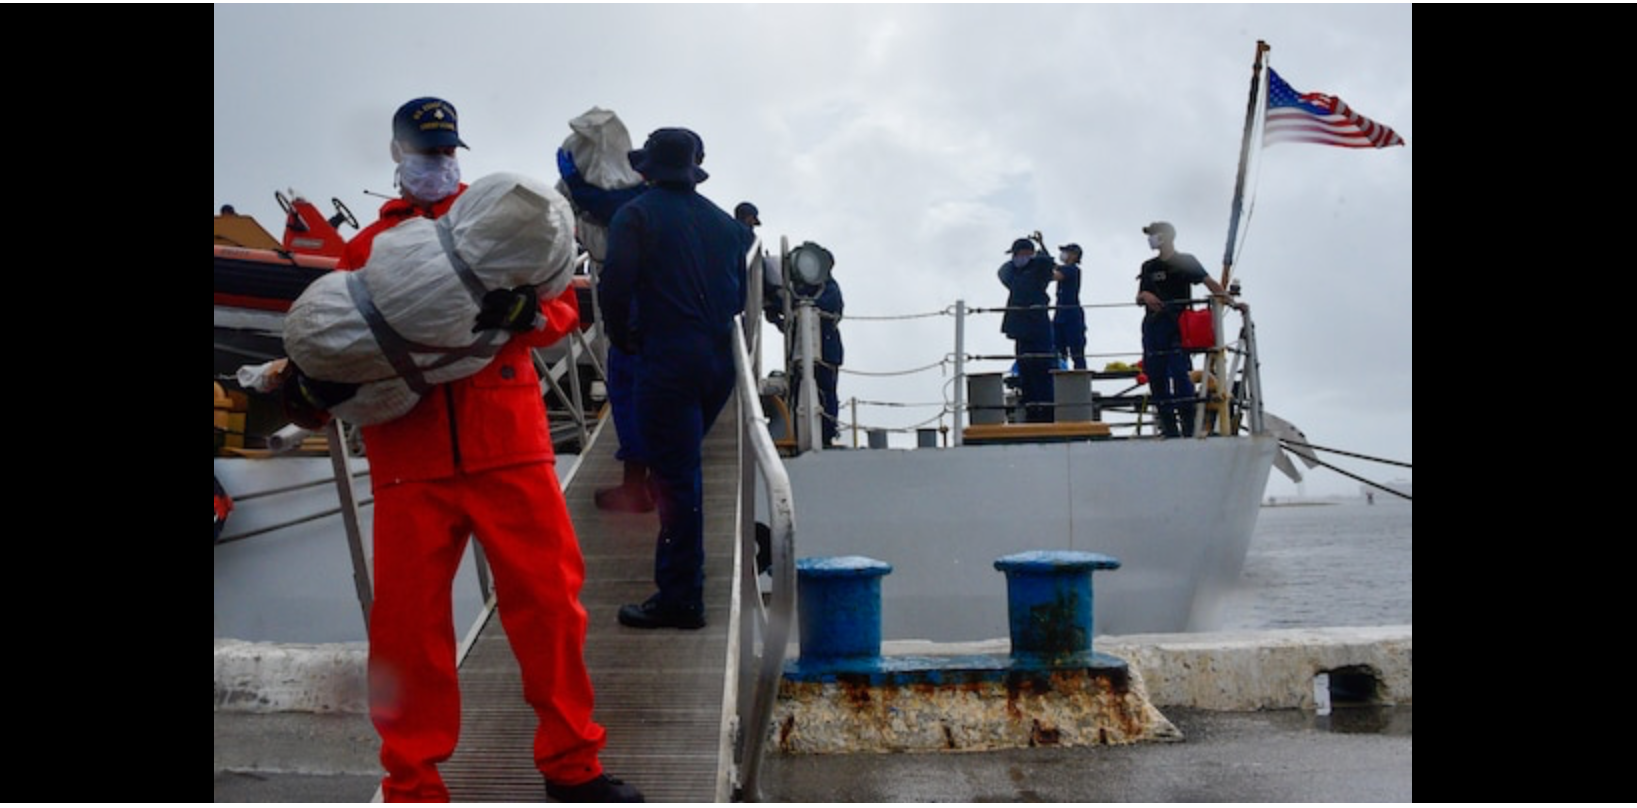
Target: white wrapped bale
403	321
600	144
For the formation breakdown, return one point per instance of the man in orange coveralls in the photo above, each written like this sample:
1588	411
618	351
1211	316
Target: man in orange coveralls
474	457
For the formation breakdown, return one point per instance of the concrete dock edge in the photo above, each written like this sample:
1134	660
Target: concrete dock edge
1225	671
1265	670
284	677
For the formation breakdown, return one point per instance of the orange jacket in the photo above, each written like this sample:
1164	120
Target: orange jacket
356	252
494	418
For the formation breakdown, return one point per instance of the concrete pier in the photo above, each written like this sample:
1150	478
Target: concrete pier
1243	702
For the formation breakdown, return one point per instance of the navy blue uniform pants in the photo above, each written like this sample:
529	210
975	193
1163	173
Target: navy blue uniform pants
1035	361
685	382
1069	335
622	391
1168	367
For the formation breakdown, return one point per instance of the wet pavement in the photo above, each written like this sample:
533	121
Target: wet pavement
1355	754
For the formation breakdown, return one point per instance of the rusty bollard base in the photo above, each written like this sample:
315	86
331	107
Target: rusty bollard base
963	703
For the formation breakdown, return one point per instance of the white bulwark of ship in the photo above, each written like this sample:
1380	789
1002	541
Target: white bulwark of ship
941	517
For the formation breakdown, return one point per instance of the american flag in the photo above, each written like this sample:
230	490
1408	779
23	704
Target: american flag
1294	117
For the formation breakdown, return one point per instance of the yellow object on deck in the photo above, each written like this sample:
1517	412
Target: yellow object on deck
230	417
234	230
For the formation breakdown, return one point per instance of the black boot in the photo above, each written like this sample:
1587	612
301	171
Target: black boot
630	496
601	788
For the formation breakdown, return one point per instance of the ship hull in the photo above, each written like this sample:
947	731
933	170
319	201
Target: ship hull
1178	515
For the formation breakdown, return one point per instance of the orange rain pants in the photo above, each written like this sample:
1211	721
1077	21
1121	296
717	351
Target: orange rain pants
519	517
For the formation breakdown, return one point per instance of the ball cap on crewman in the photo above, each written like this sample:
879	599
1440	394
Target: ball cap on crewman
1163	229
1070	247
427	123
746	211
670	155
1020	244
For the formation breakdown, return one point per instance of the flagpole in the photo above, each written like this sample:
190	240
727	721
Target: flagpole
1215	361
1244	157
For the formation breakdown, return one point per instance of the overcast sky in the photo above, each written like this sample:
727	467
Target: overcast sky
914	142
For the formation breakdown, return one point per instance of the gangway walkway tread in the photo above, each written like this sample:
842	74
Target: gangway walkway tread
660	693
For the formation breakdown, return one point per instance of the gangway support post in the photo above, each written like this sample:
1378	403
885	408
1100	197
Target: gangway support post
349	515
807	409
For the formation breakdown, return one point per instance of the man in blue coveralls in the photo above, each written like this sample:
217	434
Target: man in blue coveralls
681	259
1028	322
1069	320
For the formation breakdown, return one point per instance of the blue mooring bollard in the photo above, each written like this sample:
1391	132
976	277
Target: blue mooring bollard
839	603
1048	601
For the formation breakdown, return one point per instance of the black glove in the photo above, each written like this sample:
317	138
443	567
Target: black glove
307	401
514	309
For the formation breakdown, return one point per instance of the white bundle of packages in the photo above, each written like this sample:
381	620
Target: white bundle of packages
601	146
403	321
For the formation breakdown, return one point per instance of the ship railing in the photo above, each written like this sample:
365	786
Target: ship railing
587	345
1228	395
1225	392
763	623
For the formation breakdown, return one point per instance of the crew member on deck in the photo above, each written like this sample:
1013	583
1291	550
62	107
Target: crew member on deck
1028	322
1164	289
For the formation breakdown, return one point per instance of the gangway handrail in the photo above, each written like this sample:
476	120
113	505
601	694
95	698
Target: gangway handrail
759	457
574	398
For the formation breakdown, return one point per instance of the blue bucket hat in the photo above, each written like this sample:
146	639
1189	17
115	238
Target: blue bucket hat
427	123
670	155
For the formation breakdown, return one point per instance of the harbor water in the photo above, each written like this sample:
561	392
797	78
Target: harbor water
1322	563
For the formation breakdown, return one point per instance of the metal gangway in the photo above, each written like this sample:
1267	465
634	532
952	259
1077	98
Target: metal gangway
670	700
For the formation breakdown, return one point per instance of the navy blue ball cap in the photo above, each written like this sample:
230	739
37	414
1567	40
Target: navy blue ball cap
1021	244
1071	247
744	209
427	123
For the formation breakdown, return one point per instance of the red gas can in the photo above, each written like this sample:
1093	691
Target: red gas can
1195	325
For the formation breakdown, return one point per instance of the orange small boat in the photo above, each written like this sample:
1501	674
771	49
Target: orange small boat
258	277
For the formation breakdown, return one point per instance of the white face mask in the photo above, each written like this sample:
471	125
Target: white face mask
1021	261
429	177
1153	241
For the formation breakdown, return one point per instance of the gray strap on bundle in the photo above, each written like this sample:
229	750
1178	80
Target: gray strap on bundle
398	350
468	278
